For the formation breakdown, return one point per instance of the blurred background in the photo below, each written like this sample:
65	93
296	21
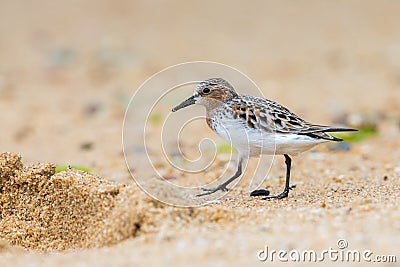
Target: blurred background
69	68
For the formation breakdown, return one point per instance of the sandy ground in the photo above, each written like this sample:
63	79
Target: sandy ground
68	70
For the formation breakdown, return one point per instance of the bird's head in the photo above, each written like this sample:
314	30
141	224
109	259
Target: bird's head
209	93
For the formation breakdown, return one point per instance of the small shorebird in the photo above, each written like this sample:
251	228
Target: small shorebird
255	126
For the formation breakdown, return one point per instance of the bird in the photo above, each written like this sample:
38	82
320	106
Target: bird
256	126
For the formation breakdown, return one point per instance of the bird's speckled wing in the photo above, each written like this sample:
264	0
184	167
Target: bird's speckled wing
269	116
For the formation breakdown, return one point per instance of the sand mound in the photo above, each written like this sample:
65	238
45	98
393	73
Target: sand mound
48	211
40	209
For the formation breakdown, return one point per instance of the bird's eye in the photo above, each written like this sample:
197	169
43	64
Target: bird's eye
206	91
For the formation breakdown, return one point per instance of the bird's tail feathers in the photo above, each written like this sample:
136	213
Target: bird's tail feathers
321	132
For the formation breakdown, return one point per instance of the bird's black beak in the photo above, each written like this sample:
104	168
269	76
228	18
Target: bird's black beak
190	101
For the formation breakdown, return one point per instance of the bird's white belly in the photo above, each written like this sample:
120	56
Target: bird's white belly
254	142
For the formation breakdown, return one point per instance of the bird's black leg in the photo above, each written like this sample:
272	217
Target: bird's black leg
222	187
285	192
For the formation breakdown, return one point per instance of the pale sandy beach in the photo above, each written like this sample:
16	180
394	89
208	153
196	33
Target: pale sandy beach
69	68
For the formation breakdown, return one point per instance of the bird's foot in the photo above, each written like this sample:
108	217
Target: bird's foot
263	192
210	191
